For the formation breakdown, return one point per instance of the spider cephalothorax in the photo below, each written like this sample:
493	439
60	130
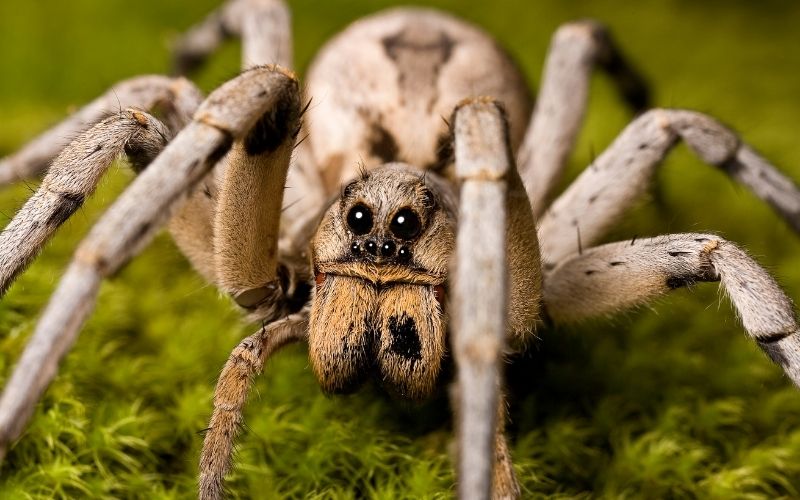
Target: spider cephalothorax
380	257
425	205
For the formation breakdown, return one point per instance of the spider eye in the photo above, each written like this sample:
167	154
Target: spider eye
359	218
405	224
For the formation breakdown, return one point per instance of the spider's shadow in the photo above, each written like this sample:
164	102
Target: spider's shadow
554	376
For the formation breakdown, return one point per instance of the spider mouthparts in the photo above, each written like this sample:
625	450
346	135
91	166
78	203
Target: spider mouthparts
380	274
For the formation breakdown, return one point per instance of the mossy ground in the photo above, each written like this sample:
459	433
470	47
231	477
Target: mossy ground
668	401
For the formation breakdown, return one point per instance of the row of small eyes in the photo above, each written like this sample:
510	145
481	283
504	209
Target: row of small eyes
405	223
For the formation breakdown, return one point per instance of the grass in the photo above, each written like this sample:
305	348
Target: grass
670	401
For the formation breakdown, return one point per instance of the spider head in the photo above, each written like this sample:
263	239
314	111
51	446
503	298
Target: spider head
380	257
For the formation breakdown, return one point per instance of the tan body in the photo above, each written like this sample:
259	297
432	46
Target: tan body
408	233
384	90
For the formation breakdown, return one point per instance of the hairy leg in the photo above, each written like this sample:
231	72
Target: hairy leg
495	291
248	214
504	480
613	183
228	114
613	277
263	25
265	29
575	50
245	362
73	177
175	100
266	34
479	290
192	49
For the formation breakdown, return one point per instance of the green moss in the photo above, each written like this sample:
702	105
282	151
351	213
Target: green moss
669	401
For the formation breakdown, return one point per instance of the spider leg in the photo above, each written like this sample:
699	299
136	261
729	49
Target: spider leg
612	184
266	33
265	29
178	98
493	204
244	191
263	25
73	177
245	362
504	480
617	276
248	214
201	40
575	50
229	113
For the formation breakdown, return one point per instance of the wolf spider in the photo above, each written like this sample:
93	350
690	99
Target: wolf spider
396	221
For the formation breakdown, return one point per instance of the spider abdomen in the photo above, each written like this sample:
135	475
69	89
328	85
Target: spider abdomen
382	87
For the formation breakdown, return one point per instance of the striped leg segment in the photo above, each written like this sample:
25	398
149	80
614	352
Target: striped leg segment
263	25
576	49
245	362
175	99
479	299
614	277
608	188
72	178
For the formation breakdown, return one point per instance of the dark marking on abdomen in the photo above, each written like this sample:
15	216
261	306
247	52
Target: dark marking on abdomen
419	51
403	41
382	144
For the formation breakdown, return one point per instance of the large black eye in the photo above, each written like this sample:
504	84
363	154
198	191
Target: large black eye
359	218
405	224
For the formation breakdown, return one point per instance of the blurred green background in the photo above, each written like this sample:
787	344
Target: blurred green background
669	401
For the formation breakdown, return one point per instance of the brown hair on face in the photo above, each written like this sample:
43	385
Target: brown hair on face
380	256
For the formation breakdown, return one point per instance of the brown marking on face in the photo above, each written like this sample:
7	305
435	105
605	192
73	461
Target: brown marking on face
384	274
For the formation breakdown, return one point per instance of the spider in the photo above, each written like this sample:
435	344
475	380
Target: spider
404	237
